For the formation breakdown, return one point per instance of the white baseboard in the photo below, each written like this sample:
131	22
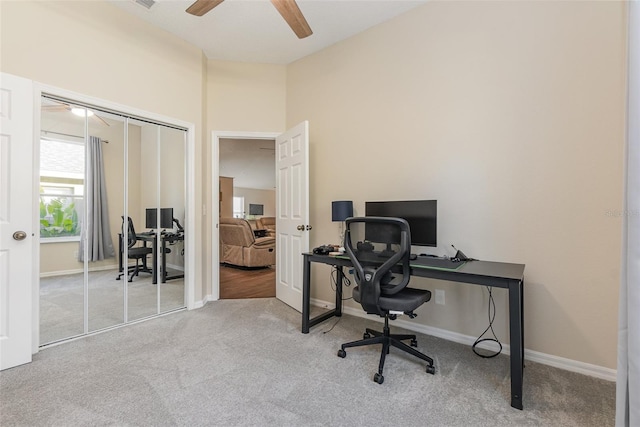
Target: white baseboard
76	271
198	304
534	356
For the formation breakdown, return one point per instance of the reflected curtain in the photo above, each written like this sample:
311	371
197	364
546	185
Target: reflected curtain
628	375
96	226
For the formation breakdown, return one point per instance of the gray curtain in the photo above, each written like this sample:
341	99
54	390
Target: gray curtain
628	373
96	225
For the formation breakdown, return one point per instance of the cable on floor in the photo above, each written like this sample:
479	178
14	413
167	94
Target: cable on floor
492	316
334	284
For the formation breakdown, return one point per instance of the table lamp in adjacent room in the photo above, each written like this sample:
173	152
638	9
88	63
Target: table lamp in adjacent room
341	210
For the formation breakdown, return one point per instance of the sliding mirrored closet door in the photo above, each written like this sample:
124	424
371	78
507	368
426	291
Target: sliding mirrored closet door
112	205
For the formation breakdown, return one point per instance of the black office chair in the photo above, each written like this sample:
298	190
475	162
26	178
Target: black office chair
138	253
382	275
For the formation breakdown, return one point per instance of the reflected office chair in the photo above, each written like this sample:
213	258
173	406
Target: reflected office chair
382	278
138	253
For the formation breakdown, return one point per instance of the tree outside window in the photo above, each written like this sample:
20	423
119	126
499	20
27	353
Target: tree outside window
61	189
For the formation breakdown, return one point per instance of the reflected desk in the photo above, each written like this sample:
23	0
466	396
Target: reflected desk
150	236
485	273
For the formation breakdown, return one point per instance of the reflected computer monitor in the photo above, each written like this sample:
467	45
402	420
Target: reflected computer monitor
166	218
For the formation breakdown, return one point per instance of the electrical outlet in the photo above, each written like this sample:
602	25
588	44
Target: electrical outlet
439	296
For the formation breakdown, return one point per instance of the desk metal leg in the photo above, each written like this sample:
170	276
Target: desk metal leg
120	251
306	298
155	259
516	335
339	279
306	294
164	261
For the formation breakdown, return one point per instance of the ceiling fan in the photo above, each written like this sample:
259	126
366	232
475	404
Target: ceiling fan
288	9
75	110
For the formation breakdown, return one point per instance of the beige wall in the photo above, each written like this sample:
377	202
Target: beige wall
95	49
510	114
267	198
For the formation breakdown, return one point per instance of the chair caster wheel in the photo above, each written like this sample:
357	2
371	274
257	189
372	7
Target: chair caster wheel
414	342
378	378
366	336
431	370
342	353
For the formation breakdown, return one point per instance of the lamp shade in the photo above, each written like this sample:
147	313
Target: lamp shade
341	210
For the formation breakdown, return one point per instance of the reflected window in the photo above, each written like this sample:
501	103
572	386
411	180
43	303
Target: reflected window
61	189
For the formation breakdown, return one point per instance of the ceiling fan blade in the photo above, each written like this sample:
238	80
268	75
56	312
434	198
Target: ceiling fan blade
101	119
291	13
200	7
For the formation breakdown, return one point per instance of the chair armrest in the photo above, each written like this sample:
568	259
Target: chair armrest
263	242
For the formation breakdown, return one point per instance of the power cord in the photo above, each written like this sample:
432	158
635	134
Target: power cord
346	282
334	283
492	316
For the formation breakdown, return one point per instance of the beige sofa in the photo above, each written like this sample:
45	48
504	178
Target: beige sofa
239	246
268	223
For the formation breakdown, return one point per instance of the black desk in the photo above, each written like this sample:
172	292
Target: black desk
485	273
150	236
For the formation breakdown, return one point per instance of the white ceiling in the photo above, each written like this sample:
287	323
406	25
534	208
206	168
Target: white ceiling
254	31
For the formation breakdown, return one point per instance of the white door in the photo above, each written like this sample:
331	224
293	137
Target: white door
292	212
16	238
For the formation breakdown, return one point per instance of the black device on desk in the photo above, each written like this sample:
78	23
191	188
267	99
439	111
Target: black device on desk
323	250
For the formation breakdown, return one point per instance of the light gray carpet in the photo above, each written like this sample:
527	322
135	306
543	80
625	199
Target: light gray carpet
62	302
245	362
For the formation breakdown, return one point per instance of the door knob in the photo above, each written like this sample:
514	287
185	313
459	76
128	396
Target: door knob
19	235
300	228
309	227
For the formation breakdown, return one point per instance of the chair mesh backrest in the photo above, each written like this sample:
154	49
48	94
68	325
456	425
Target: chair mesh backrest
380	250
130	232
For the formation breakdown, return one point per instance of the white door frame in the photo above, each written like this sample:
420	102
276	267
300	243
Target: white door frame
190	214
215	206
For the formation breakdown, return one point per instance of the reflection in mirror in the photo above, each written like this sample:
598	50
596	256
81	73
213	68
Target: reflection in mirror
101	173
142	191
156	194
172	195
62	189
105	170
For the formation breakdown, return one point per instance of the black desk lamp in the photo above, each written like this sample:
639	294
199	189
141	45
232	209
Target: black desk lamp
341	210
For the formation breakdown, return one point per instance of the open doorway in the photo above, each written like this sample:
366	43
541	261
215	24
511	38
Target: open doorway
246	213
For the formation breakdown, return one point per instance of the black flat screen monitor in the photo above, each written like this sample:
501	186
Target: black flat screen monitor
256	209
420	214
166	218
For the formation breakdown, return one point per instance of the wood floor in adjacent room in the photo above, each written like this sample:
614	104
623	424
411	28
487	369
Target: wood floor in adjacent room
238	283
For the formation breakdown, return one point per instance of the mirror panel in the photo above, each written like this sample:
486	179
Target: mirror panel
62	189
142	191
172	145
105	287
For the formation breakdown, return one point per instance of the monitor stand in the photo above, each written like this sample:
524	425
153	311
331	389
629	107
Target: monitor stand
388	252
